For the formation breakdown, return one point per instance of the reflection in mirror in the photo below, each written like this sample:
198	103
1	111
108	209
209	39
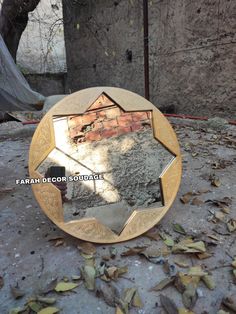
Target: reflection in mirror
111	163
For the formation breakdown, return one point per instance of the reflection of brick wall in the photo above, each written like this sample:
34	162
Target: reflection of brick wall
99	122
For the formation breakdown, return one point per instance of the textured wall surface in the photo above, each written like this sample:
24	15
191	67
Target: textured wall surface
192	51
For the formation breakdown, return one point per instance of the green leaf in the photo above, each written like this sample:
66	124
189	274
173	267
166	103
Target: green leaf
34	306
169	242
65	286
49	310
178	228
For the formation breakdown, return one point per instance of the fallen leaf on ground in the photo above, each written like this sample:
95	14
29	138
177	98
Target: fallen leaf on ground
185	199
169	241
134	251
178	228
229	303
89	273
189	296
196	271
184	311
215	181
108	292
220	216
181	263
17	310
163	284
50	287
49	310
231	225
137	302
1	282
204	255
34	306
168	305
113	252
191	247
154	235
118	310
65	286
209	282
17	293
196	201
87	248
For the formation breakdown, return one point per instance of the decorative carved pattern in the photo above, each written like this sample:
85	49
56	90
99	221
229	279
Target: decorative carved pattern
49	197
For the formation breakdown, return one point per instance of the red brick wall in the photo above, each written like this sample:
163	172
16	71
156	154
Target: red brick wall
104	119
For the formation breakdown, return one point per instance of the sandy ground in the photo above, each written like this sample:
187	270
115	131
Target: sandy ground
29	259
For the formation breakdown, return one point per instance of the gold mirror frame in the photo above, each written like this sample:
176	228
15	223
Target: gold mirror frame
49	197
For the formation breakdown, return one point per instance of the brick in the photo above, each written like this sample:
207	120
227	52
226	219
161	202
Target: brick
123	129
101	114
136	126
75	131
110	124
74	121
101	102
139	116
113	112
93	136
89	118
108	133
125	120
97	125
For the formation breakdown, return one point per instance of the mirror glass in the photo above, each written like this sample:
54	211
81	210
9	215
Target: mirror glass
106	163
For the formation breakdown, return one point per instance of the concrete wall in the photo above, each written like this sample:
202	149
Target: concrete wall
192	51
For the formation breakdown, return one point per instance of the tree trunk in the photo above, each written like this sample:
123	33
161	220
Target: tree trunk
13	21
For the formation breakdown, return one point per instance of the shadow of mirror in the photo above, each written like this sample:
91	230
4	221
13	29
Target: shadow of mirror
112	163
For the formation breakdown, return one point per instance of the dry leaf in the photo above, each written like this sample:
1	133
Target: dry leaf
189	296
163	284
17	310
178	228
231	225
181	263
209	282
229	303
234	263
65	286
203	255
220	216
17	293
89	274
108	292
45	300
49	310
196	271
153	235
1	282
196	201
134	251
137	302
184	311
87	248
34	306
185	199
128	295
168	305
113	252
50	287
118	310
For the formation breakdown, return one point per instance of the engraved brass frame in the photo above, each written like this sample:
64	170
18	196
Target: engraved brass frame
49	197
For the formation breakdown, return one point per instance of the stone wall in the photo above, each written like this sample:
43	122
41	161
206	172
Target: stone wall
192	51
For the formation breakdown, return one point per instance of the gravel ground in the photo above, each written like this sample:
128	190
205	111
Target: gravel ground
29	259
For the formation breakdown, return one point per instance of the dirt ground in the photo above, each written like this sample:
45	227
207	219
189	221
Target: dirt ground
33	251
